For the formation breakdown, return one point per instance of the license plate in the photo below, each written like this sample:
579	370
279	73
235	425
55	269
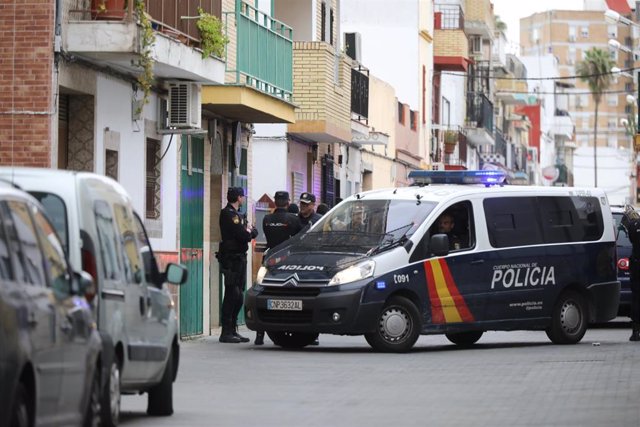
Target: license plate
284	304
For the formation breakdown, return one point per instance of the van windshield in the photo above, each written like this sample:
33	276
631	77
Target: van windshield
57	213
361	226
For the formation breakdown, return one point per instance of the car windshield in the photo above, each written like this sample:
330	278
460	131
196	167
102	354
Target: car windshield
365	226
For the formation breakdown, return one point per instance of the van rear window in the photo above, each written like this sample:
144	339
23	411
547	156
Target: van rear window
521	221
57	213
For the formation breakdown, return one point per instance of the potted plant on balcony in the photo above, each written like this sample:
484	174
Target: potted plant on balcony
212	34
108	10
450	141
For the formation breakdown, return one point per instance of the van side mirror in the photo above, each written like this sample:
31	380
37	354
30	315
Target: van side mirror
439	244
176	274
84	285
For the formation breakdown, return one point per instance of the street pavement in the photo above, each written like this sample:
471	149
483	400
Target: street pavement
507	379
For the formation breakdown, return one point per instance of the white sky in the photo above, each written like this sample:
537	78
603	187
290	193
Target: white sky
510	11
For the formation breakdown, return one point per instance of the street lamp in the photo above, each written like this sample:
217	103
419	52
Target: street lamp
619	72
613	17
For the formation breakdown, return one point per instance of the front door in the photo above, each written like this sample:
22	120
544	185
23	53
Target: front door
191	233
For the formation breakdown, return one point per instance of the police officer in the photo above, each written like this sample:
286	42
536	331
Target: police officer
308	215
236	235
278	227
631	223
445	226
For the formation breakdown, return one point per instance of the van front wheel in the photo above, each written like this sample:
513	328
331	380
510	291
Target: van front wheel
569	319
398	327
160	399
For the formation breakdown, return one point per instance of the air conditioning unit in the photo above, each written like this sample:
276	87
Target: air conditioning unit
353	46
437	166
184	108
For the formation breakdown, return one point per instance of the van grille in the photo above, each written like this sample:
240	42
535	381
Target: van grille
272	316
278	291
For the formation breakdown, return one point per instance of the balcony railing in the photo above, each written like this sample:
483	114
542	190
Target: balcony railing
501	144
264	51
360	92
480	111
448	17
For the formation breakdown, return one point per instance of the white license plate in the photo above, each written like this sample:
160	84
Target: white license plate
284	304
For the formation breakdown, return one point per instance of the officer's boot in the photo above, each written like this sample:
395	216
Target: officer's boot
259	338
240	337
635	334
227	336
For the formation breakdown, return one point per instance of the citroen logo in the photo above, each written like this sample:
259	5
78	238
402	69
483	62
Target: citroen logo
292	280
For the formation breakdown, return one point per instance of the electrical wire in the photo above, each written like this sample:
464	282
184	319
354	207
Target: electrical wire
515	92
493	76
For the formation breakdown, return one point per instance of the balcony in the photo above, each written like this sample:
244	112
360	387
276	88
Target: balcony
360	93
479	125
450	43
322	89
113	40
479	18
562	126
259	77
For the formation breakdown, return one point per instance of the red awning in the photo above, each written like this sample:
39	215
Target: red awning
620	6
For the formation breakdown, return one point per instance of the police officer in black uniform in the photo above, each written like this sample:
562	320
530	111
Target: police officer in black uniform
445	226
236	235
278	226
308	215
631	222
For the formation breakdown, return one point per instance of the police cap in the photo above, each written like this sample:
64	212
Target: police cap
307	198
235	192
282	195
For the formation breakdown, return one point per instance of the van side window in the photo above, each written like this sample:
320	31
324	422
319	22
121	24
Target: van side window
6	272
131	259
55	260
512	221
151	270
107	240
27	249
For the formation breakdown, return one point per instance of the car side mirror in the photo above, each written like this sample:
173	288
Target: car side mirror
439	244
176	274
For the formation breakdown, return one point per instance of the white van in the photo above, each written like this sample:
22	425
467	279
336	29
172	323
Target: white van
540	258
103	236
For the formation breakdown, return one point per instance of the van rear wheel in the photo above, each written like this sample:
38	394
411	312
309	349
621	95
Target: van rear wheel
398	327
464	339
292	339
110	405
21	415
569	319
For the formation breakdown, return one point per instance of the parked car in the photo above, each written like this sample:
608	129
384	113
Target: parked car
50	350
623	247
133	309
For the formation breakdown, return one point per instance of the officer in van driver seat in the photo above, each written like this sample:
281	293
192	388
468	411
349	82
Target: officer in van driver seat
236	235
445	226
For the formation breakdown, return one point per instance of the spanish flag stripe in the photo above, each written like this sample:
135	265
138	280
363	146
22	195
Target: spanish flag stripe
463	310
437	316
448	304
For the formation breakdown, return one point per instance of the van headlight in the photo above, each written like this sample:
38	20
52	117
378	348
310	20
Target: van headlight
359	271
260	276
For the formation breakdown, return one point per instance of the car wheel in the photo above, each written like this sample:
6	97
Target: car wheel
292	339
569	319
20	411
110	403
398	327
160	399
464	339
92	414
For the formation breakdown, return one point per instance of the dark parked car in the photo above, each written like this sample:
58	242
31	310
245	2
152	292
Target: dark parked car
50	350
623	247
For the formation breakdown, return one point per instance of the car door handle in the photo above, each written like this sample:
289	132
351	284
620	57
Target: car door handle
477	261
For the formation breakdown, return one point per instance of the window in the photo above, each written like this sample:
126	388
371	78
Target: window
153	179
25	245
107	240
331	18
476	44
612	100
612	124
400	113
612	31
55	262
151	270
413	117
512	221
572	33
131	258
613	54
57	212
584	32
584	100
585	124
323	21
6	271
628	87
111	164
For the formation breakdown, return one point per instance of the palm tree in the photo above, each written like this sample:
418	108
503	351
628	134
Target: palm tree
595	70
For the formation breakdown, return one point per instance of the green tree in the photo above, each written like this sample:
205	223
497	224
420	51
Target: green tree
501	26
595	70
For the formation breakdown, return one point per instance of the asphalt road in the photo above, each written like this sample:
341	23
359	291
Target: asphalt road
507	379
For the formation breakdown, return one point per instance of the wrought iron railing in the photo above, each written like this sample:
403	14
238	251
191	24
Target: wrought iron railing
448	17
501	144
480	111
360	92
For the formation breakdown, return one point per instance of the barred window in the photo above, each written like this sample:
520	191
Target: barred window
153	179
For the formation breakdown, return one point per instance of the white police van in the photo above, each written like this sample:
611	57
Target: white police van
537	258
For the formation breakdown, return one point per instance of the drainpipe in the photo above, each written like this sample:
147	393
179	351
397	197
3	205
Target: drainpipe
57	41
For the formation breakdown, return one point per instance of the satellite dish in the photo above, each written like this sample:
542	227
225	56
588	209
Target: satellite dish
551	173
237	144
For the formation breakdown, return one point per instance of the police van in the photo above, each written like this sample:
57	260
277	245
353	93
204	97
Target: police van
379	265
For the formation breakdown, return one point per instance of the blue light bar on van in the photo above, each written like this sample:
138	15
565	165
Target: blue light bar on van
488	177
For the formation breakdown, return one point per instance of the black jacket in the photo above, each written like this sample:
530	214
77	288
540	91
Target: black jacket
310	220
233	228
279	226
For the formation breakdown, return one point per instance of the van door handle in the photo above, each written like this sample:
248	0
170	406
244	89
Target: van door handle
477	261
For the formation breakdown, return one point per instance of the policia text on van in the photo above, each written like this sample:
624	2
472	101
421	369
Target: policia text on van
539	258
